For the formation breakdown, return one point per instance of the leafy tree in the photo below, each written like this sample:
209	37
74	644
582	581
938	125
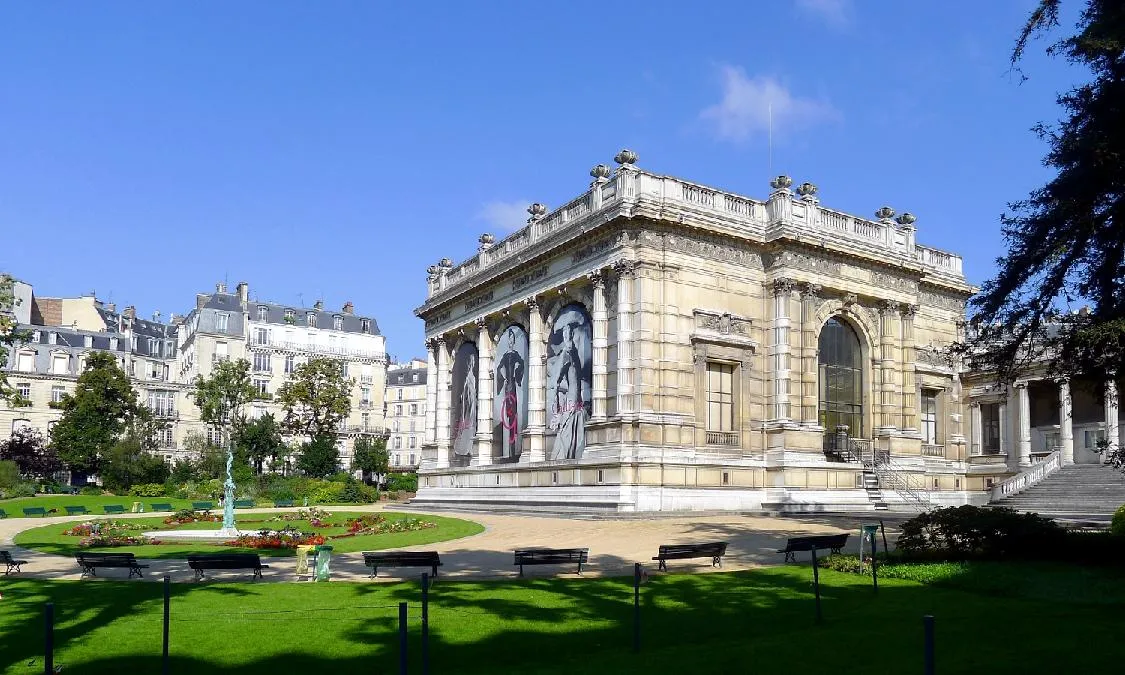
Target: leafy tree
10	336
316	398
94	418
221	396
371	456
259	440
9	474
319	457
28	449
1066	241
129	462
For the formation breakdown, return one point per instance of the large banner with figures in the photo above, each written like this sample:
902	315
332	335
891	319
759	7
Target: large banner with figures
509	401
569	381
463	400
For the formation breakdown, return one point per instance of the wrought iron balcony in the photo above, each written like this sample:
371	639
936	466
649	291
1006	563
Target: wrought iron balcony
727	438
931	450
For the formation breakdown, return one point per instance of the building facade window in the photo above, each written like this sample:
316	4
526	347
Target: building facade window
290	315
397	458
262	386
365	395
221	321
337	322
261	336
262	362
23	389
398	411
60	364
398	442
310	319
365	325
1092	437
263	312
25	362
720	396
413	408
365	420
162	403
413	442
57	392
841	378
344	368
20	423
290	363
399	394
412	459
929	417
214	436
990	428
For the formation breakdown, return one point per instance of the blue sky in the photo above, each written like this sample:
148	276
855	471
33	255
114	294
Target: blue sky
335	149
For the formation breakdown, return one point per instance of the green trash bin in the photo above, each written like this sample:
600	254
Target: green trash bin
323	562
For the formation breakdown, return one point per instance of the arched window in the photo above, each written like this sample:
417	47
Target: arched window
841	378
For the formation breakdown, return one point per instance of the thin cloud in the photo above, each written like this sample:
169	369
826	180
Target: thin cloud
745	108
504	216
835	13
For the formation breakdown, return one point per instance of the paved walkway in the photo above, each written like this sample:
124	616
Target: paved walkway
614	545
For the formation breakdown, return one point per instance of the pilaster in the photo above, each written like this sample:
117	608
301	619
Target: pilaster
810	295
483	440
780	353
443	402
888	343
625	275
536	385
600	346
431	392
909	385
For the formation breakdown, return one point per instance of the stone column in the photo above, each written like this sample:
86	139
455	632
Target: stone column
909	386
1066	422
1112	426
536	387
1024	436
624	269
442	420
483	455
976	435
810	295
431	392
887	353
780	352
599	344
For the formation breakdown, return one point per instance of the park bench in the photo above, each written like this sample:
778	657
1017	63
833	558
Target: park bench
91	561
113	508
202	506
820	542
401	559
283	503
551	556
34	511
161	506
714	550
3	513
76	510
10	563
244	503
226	561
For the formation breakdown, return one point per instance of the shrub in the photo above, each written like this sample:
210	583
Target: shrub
327	493
970	531
147	490
1117	525
402	482
19	490
921	572
9	474
355	492
91	491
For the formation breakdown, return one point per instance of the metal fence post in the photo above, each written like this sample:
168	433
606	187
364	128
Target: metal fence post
167	604
425	624
874	564
49	640
402	638
636	608
816	585
928	649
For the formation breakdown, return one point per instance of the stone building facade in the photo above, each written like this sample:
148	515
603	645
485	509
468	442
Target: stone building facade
162	358
660	345
406	413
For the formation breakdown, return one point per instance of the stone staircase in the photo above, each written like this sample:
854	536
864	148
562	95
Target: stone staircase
1076	492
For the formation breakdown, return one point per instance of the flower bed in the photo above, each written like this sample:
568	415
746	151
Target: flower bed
286	538
316	517
108	540
377	524
189	516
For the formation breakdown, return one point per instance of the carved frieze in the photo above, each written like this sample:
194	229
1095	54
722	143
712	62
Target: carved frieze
932	356
473	303
593	249
950	302
714	248
438	319
529	277
804	261
724	323
885	280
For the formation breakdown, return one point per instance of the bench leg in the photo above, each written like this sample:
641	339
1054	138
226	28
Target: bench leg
663	566
789	557
717	561
135	571
579	568
434	575
374	573
521	570
257	574
199	575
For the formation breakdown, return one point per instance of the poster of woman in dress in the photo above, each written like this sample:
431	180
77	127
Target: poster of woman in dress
463	403
569	381
509	402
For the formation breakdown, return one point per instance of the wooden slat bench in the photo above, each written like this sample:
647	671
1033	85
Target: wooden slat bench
34	511
378	559
161	506
820	542
76	510
10	563
226	561
202	506
91	561
551	556
113	508
244	503
283	503
714	550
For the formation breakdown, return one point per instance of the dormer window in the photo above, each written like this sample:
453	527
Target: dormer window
290	315
365	325
311	319
337	322
263	312
221	321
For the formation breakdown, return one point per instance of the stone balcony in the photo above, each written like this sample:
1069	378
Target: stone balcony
633	192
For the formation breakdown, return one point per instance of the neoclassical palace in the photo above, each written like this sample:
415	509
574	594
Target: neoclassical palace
660	345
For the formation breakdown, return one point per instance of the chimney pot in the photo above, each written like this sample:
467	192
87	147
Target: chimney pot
130	312
349	308
319	304
200	300
111	307
243	292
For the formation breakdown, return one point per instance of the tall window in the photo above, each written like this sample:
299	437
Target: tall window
310	319
413	408
57	392
261	336
929	417
400	394
60	364
221	321
25	362
24	390
290	363
398	411
841	378
413	442
289	315
365	394
990	428
263	312
412	462
262	386
398	442
365	420
262	362
365	325
337	322
720	397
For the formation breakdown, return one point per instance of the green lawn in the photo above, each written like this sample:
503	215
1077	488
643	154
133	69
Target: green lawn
760	621
14	507
50	538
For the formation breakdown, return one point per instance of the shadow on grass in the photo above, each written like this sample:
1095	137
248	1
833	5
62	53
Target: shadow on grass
761	620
